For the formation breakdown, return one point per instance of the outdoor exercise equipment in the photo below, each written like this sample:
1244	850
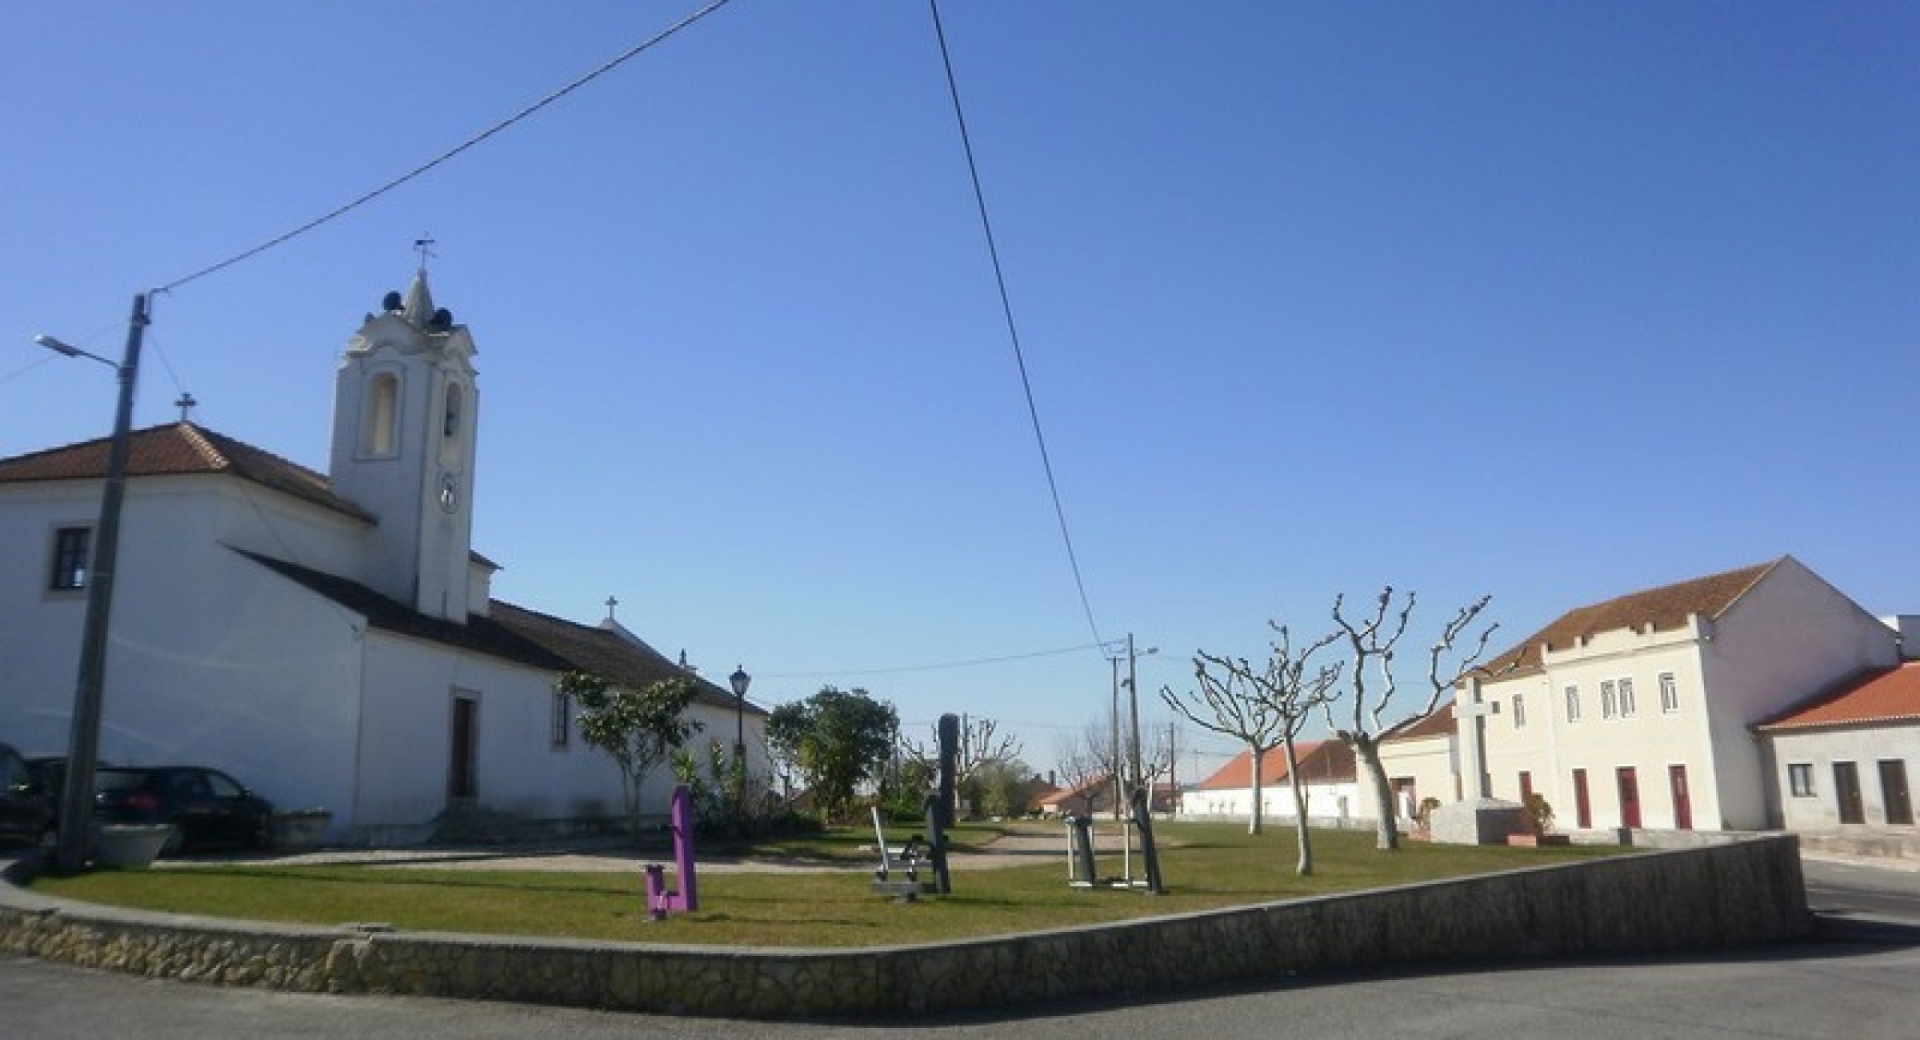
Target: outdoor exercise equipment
1082	870
939	807
661	900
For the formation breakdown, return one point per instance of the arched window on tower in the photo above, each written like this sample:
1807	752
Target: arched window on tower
451	425
451	418
380	432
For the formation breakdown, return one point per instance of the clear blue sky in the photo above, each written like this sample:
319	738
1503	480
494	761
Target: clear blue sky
1551	301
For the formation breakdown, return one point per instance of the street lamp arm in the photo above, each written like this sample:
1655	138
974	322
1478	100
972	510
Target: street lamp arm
60	346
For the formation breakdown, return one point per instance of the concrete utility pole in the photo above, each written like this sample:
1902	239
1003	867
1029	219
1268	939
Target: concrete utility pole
83	745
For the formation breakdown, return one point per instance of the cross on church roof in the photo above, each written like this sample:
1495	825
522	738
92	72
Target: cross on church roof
186	404
612	602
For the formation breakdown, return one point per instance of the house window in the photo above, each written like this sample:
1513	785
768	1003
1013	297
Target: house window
1669	693
1519	712
1626	698
562	724
1800	779
70	551
1609	700
1573	704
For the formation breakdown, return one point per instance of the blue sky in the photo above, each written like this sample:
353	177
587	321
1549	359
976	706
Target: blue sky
1549	301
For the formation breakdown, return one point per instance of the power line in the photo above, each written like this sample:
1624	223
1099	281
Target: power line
1013	331
941	666
450	153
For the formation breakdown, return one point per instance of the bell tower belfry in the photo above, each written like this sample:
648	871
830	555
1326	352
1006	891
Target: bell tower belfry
405	411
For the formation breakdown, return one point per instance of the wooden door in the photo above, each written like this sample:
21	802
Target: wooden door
462	761
1629	797
1846	787
1893	791
1682	801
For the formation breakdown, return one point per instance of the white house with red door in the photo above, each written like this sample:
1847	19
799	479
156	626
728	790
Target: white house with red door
1639	711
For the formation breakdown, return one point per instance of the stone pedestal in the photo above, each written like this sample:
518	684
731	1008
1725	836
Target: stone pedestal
129	845
1477	821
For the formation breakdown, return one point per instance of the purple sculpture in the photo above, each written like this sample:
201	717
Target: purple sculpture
660	900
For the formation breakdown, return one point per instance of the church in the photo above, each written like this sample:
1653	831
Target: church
330	639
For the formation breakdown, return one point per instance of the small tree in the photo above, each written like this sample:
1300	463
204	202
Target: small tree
1078	769
837	740
1371	641
638	729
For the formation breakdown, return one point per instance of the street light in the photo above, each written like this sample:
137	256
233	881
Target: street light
740	680
83	745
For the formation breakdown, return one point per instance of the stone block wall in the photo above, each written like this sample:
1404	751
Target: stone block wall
1738	893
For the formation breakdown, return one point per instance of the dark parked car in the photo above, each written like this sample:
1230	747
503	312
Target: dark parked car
27	806
206	807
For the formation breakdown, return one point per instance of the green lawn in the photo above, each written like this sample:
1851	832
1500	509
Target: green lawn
1204	866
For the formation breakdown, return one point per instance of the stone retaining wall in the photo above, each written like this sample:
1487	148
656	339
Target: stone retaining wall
1741	893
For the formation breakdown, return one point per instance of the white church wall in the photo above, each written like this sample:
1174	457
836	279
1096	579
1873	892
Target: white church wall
212	660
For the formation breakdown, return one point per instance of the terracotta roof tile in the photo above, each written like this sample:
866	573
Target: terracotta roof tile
1436	724
1666	607
1888	695
1319	760
179	449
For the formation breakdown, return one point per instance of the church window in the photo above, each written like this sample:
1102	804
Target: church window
71	550
381	435
1519	711
562	719
1573	704
1609	700
1626	698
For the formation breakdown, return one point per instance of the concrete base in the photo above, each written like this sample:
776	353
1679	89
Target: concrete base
1479	821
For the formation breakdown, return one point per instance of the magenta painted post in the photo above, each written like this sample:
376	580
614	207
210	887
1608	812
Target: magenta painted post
661	900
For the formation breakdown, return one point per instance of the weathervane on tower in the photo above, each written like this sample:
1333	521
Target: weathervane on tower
424	246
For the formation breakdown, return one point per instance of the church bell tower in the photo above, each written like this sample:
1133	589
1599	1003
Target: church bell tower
405	414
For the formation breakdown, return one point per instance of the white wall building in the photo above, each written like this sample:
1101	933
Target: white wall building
1844	761
1421	759
328	639
1326	773
1638	711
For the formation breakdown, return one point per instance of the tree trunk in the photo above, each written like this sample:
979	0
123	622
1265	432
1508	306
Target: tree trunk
1387	836
1302	835
1254	814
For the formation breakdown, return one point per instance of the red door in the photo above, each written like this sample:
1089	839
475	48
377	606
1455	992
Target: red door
1629	797
1682	803
1583	809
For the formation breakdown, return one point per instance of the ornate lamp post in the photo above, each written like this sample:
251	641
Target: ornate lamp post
83	747
740	680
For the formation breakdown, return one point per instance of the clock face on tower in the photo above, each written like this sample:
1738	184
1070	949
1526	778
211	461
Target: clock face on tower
449	493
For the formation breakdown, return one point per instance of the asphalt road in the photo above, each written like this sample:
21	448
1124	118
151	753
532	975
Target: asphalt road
1858	982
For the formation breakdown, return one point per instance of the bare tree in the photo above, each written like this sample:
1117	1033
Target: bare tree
1078	770
1263	708
981	745
1371	642
1101	744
